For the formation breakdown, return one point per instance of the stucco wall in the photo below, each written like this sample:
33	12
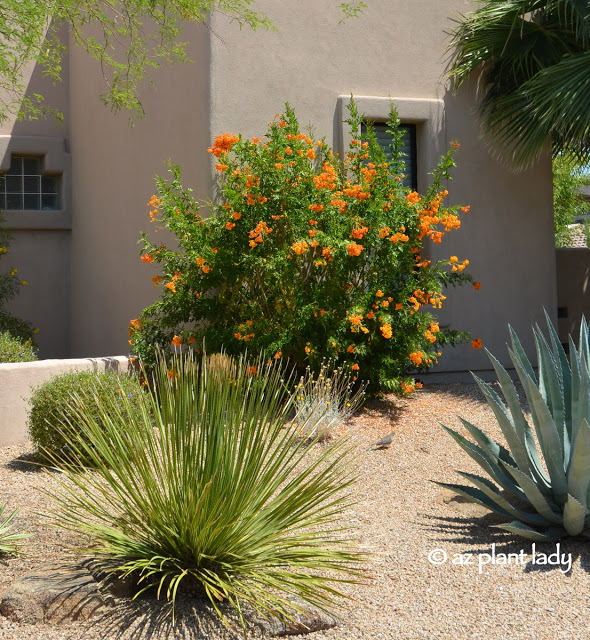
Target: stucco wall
398	50
43	259
573	289
18	379
508	236
40	248
114	169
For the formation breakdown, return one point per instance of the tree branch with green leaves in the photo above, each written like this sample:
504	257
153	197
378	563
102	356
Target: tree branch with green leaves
130	38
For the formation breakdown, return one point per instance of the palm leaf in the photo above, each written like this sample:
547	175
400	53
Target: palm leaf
531	58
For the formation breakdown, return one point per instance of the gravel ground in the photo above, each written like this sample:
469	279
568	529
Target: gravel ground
401	517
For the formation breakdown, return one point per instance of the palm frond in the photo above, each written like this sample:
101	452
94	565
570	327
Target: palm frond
530	57
551	105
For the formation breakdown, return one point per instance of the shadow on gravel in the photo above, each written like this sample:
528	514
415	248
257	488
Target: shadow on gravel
471	394
465	530
387	407
477	537
28	462
464	393
147	618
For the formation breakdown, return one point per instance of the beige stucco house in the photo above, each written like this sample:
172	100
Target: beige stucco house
82	258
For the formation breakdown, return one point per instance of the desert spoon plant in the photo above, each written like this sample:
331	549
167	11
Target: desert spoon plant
541	482
217	495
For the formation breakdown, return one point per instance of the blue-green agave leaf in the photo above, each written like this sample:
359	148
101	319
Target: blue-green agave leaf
541	503
517	448
477	496
524	378
518	349
566	376
584	342
578	473
579	388
582	405
574	514
483	484
495	451
521	425
574	367
551	445
551	388
523	531
493	469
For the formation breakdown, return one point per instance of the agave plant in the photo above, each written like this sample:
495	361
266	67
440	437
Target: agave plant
207	488
541	482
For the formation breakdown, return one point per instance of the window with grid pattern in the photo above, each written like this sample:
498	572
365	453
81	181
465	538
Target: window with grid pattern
24	186
408	148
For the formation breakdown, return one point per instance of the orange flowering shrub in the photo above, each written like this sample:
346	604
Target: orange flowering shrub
306	256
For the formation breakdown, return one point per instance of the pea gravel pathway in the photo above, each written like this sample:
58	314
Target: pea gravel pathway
400	518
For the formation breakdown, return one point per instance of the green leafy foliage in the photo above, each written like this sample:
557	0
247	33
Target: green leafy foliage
10	285
351	9
305	256
51	406
210	490
10	539
541	482
130	38
15	350
569	202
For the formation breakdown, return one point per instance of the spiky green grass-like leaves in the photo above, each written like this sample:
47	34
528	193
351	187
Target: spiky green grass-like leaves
542	480
10	538
209	488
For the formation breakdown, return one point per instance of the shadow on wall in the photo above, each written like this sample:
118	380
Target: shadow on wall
41	244
55	96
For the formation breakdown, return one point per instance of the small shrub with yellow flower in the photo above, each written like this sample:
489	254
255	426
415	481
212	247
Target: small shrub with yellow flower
307	256
325	400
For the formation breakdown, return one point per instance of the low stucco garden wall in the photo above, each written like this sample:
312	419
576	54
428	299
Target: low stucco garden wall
17	379
573	290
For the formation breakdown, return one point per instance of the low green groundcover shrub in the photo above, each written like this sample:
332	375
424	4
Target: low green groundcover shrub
212	491
306	256
52	408
15	350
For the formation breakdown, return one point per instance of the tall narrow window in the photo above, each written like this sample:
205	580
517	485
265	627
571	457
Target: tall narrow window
24	186
408	148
